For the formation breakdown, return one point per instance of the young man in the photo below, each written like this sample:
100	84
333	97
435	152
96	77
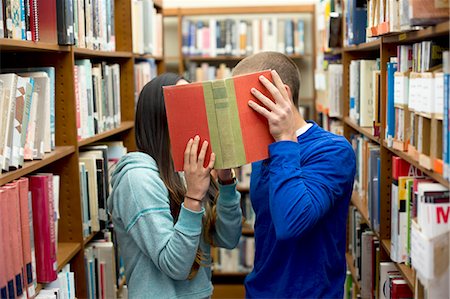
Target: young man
300	194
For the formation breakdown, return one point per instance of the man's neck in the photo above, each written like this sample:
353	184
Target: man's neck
299	120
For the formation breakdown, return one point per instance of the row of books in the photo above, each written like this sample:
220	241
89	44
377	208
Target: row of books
238	37
365	93
29	208
365	20
83	23
147	24
100	264
96	164
62	288
237	260
206	72
26	94
144	72
376	279
417	110
329	90
97	96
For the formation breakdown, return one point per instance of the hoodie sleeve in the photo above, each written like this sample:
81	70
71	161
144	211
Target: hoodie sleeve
229	217
145	211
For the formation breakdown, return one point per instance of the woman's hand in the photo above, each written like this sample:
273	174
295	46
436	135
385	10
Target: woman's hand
225	175
197	176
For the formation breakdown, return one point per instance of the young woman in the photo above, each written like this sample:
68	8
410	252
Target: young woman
165	227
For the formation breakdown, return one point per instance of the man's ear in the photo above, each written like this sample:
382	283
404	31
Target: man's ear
288	91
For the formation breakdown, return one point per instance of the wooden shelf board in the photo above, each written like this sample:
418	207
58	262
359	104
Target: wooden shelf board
7	44
261	9
83	52
352	269
241	188
30	166
336	51
38	288
366	131
248	231
404	155
229	58
442	29
369	46
407	272
229	274
357	202
147	56
66	251
158	3
124	126
121	284
89	238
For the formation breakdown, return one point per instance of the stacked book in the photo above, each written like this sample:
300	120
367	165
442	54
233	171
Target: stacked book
239	37
28	234
206	72
144	71
97	96
147	27
62	287
27	127
237	260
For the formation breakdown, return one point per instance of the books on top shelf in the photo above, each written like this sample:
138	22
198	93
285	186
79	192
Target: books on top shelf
62	287
329	90
415	106
96	163
236	36
33	20
144	71
97	96
365	94
147	27
27	126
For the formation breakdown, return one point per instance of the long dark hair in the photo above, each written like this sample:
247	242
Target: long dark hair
152	138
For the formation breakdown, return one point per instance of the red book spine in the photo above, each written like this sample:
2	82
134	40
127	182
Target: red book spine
34	20
15	233
26	246
77	102
47	31
43	222
401	167
3	257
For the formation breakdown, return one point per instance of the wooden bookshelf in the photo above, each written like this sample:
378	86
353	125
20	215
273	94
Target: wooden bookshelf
366	131
147	56
66	251
248	231
352	269
7	44
88	53
369	46
121	284
411	160
430	32
407	272
124	126
230	274
89	238
31	166
243	189
225	58
63	161
359	203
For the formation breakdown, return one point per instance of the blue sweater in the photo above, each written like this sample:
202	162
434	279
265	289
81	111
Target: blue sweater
300	196
157	253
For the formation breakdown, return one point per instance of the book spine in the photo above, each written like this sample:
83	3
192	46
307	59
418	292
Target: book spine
445	129
77	103
390	117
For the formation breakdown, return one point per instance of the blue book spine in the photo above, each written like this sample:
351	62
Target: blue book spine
192	38
390	118
358	16
22	20
377	216
289	37
445	129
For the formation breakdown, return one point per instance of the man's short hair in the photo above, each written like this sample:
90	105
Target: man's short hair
283	65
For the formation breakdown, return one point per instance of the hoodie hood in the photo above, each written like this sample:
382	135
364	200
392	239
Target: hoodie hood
126	163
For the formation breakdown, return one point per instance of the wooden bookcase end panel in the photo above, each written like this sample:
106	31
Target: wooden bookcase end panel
124	40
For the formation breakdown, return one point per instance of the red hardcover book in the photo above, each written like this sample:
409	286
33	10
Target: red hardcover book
400	289
46	15
15	231
23	186
44	228
4	246
218	112
401	167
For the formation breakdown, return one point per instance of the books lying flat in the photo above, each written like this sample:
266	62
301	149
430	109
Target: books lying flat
218	112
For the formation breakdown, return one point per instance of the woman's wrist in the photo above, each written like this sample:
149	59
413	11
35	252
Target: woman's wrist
192	204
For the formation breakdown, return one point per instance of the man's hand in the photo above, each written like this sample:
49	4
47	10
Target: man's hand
280	114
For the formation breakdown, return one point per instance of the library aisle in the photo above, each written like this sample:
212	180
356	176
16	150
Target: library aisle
376	72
